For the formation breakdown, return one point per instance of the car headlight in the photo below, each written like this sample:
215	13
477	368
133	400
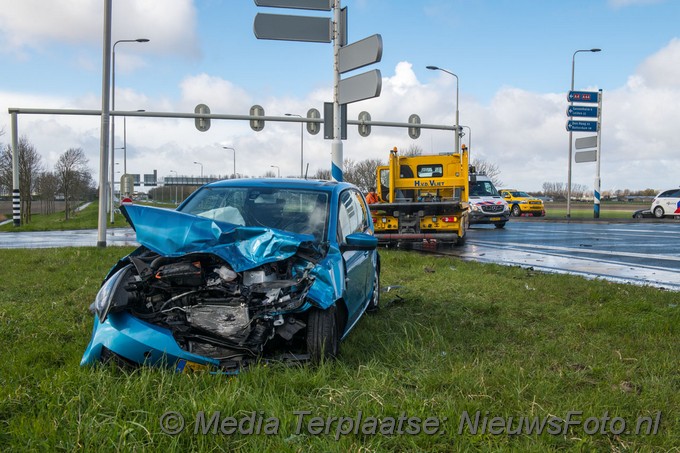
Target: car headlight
475	207
111	294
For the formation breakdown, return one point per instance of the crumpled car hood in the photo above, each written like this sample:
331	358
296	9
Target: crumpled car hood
174	233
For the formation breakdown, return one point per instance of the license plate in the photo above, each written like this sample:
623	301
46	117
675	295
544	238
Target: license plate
186	366
495	219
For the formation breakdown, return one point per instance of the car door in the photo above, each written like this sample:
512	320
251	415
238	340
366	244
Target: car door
674	205
353	218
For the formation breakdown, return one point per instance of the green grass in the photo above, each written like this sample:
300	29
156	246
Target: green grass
85	219
608	210
458	336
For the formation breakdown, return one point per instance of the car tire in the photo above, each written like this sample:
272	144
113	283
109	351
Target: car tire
323	340
499	225
374	303
658	212
516	211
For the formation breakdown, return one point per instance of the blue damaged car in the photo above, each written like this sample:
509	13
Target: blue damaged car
243	271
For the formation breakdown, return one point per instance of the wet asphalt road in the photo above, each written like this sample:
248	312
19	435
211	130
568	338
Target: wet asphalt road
635	252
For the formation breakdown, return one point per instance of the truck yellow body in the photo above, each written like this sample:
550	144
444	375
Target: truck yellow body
422	198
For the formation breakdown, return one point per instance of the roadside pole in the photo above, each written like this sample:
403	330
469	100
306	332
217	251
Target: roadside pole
598	182
336	143
16	190
104	139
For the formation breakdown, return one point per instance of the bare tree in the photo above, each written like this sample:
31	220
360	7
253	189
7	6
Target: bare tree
413	150
47	187
30	167
362	173
489	169
323	174
73	175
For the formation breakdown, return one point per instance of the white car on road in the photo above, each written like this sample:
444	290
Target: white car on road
667	203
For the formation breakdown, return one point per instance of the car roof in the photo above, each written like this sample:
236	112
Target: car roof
283	183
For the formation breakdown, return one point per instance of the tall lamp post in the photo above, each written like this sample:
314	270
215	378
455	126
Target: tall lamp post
113	107
198	163
302	145
573	61
125	142
278	170
229	147
176	176
436	68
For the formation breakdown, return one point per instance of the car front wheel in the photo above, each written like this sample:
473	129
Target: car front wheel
658	212
323	340
516	211
374	303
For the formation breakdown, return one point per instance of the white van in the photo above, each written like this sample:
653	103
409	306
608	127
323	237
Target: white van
486	204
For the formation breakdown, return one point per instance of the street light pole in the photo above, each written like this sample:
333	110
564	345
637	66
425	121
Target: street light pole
229	147
457	142
113	107
198	163
573	63
175	172
302	145
278	170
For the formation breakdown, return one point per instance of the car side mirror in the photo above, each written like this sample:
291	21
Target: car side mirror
359	242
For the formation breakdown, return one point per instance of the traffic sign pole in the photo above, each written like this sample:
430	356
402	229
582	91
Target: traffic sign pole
336	144
596	198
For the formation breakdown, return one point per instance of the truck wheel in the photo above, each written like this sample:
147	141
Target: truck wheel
323	341
658	212
516	211
499	225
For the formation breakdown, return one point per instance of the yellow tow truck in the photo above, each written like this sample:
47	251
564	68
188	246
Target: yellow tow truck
422	198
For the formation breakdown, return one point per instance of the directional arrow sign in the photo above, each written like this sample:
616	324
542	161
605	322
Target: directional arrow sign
582	126
292	28
319	5
582	111
360	54
360	87
586	142
582	96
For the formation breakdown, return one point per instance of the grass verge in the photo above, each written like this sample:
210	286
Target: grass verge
86	219
457	338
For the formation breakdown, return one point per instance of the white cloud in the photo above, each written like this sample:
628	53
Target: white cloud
80	21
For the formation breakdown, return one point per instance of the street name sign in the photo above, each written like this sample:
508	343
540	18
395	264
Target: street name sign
582	111
582	126
318	5
585	156
586	142
292	28
360	87
360	54
582	96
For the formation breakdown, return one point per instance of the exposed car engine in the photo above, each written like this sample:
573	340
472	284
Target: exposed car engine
214	311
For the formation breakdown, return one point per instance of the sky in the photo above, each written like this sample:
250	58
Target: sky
513	62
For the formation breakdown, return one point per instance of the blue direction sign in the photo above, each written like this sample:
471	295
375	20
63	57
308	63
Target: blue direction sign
582	96
582	111
582	126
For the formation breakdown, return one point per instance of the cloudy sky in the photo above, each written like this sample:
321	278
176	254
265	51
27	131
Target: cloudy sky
512	58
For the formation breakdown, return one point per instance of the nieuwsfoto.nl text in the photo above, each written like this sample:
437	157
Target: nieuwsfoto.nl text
256	423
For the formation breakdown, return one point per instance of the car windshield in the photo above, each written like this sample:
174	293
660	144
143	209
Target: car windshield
483	189
297	211
520	194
